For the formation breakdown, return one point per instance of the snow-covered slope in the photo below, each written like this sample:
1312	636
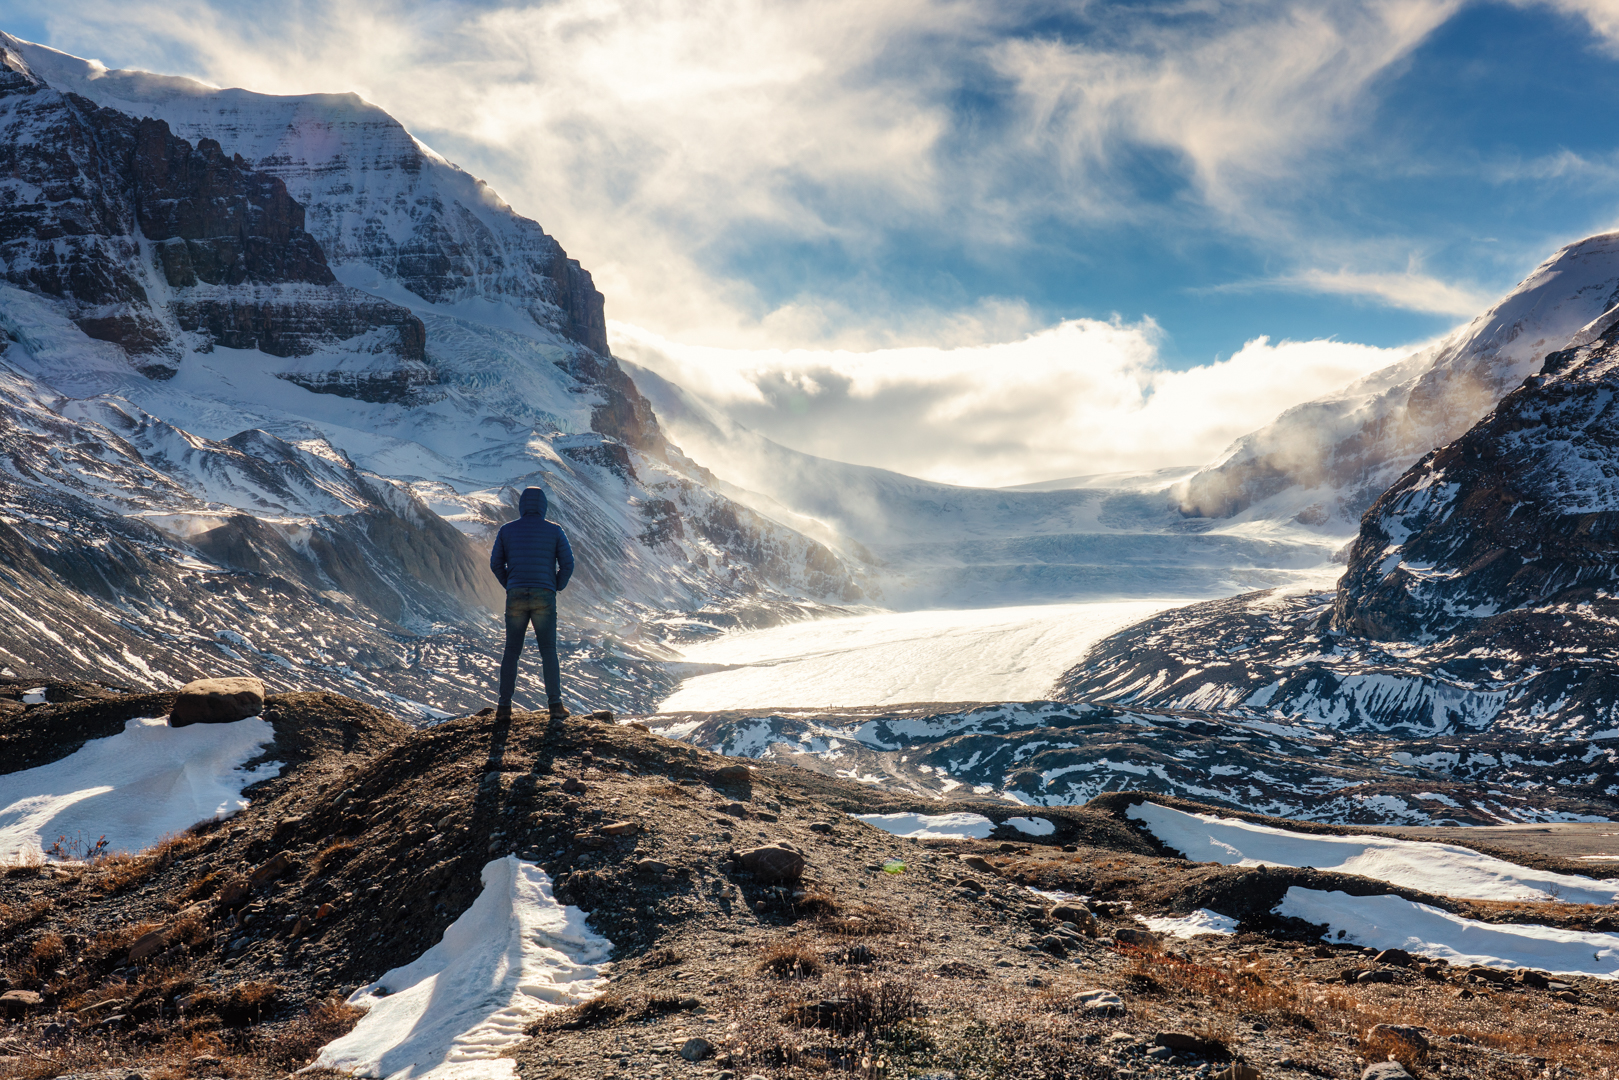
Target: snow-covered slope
1326	461
226	447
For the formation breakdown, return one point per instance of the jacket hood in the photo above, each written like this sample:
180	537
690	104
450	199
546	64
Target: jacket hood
532	502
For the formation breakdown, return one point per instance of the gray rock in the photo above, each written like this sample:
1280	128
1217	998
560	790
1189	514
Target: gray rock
1385	1070
696	1049
1100	1002
1129	935
773	862
217	701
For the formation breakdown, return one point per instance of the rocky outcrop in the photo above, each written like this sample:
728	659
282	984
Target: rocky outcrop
1326	461
1521	512
160	246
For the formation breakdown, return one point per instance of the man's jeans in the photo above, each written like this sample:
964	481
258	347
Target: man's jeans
523	605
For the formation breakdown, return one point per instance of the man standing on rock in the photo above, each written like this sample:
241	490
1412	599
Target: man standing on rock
532	559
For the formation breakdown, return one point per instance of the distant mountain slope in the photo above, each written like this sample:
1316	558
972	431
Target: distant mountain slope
1480	593
219	446
1326	461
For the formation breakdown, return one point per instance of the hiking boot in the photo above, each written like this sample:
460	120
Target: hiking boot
503	712
559	711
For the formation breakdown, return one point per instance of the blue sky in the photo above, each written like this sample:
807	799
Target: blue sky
932	173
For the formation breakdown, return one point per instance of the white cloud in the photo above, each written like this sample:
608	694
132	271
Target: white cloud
662	139
1078	398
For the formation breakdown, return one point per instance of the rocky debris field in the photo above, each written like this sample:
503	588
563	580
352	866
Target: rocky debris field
758	930
1047	753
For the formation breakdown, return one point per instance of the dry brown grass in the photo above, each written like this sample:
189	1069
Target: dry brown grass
864	921
330	856
790	960
18	917
48	950
298	1043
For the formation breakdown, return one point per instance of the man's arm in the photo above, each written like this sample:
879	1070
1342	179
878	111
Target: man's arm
564	559
497	558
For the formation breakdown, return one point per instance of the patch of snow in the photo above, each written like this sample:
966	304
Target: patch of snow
136	787
931	826
1390	922
1201	921
1033	826
1442	869
514	954
36	696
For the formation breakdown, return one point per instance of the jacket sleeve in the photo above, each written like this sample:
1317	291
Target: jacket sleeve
564	560
497	558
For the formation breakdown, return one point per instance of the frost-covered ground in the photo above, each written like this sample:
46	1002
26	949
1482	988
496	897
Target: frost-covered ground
515	953
134	788
1441	869
889	658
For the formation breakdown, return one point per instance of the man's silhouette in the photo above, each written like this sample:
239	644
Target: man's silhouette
532	559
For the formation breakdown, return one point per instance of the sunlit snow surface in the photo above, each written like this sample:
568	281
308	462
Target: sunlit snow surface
931	826
515	953
1390	922
1201	921
892	658
134	788
1441	869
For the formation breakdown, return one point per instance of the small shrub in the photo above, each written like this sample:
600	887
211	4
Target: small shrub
49	951
606	1008
298	1043
790	960
332	855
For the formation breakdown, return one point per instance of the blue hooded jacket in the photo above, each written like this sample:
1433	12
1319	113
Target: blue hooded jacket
532	553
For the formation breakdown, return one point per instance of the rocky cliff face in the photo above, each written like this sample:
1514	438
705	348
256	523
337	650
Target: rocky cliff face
394	219
1520	512
1480	592
159	246
1325	462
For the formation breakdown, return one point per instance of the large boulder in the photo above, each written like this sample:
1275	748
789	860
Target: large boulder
773	863
217	701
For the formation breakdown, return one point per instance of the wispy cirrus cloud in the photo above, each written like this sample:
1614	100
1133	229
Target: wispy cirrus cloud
704	158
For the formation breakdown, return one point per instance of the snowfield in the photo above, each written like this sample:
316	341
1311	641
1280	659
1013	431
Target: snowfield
136	787
1390	922
514	954
931	826
892	658
1441	869
1201	921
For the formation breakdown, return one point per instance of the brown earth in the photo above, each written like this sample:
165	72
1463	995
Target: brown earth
942	968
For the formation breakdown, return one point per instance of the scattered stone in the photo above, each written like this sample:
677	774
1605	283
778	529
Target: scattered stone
14	1003
696	1049
1539	980
733	774
820	827
1382	975
1141	939
601	716
1055	945
1411	1038
1239	1070
1071	911
574	786
971	885
1385	1070
1184	1042
234	894
147	945
205	1061
622	828
1393	958
270	870
773	863
652	866
217	701
979	863
735	809
1100	1002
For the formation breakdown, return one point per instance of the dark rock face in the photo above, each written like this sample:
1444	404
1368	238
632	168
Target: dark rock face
105	212
1520	512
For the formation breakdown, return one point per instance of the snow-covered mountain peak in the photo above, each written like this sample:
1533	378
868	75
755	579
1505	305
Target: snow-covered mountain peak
1325	461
